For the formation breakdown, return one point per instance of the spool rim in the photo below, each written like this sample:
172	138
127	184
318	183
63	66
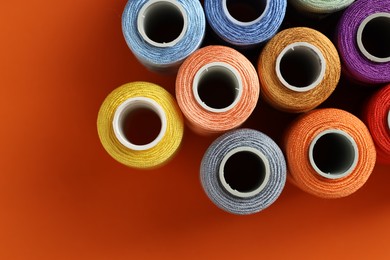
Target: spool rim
132	104
309	47
260	156
238	86
360	44
346	172
141	22
240	23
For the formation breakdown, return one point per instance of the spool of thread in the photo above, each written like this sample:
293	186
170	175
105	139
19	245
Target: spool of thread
123	117
320	6
377	118
299	69
329	153
217	89
245	23
162	33
243	171
364	41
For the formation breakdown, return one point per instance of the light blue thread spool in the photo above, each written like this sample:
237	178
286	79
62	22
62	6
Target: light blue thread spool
249	31
246	156
320	6
163	33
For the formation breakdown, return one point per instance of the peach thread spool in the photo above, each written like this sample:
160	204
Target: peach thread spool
217	89
377	118
298	69
329	152
118	115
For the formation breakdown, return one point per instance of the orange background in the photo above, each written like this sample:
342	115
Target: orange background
63	197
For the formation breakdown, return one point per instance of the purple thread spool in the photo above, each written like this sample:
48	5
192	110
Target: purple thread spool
364	41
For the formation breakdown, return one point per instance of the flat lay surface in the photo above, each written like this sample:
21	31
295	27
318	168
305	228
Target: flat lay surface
63	197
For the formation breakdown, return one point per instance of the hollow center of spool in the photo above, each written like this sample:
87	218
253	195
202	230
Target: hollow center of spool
300	66
244	12
139	123
373	37
333	154
217	87
244	172
162	23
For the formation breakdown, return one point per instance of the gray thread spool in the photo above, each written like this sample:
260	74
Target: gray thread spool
267	171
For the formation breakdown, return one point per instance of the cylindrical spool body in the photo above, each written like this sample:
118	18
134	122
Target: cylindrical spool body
243	171
245	33
377	118
320	6
364	43
120	105
163	33
341	147
299	69
217	89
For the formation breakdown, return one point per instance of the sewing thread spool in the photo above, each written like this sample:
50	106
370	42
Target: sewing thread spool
363	41
121	116
299	69
245	24
163	33
329	153
217	89
243	171
320	6
377	118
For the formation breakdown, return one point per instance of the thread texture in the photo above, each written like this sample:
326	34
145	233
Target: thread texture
355	64
245	35
297	142
164	59
210	167
320	6
283	98
207	122
156	155
376	117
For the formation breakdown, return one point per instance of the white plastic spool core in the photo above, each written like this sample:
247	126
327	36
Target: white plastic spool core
373	37
300	66
162	23
234	10
217	87
333	154
388	119
244	172
129	106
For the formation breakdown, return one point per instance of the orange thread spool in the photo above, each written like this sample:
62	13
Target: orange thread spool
330	153
377	117
217	88
299	69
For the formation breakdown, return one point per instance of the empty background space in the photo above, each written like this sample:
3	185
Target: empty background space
63	197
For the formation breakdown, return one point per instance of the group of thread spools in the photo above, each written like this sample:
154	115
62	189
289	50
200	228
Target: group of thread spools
327	152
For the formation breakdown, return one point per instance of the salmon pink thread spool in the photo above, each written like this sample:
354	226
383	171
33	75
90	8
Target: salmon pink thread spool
217	89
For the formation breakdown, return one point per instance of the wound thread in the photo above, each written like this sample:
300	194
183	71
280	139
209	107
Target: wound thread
363	40
116	117
299	69
163	33
344	159
245	24
320	6
377	118
243	171
217	89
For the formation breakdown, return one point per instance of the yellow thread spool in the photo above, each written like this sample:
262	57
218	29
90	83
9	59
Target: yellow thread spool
118	107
